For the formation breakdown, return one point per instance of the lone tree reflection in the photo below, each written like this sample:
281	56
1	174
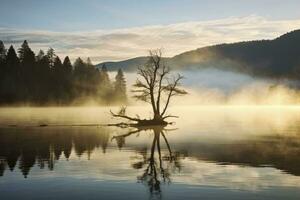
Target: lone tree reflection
157	87
154	171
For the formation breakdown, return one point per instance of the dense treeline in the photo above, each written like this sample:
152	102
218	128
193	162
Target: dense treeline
44	78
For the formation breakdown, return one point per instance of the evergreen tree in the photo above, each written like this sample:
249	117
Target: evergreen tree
90	82
120	87
67	74
51	57
40	55
25	53
58	79
94	81
12	77
2	51
79	69
104	75
67	65
79	76
105	85
28	72
2	66
57	66
89	62
44	78
12	62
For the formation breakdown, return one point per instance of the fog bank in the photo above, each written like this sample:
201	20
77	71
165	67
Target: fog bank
217	87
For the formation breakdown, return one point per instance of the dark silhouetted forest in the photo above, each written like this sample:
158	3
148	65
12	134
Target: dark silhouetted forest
26	78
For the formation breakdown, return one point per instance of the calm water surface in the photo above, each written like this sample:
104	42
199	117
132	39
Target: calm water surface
209	153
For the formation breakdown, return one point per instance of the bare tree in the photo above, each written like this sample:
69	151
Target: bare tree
157	87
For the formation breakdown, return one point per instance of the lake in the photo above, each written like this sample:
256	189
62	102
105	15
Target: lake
210	152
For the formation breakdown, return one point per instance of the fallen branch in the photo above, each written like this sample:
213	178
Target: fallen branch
125	117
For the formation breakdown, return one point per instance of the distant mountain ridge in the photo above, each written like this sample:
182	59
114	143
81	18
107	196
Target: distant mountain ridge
276	58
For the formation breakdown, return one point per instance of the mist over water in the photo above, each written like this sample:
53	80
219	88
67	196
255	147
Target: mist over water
219	87
222	144
233	150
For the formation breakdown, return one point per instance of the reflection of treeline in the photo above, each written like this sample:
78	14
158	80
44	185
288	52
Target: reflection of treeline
44	78
43	149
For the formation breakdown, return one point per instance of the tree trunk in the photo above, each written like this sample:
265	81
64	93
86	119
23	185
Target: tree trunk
157	117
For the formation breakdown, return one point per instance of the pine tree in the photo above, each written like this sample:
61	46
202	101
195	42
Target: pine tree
44	78
57	79
104	75
51	57
12	61
91	78
79	68
57	66
78	64
104	78
67	65
12	79
105	84
2	51
89	62
2	67
28	72
79	77
92	81
120	87
40	55
67	81
25	53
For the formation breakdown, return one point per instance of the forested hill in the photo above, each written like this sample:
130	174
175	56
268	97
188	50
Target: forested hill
272	58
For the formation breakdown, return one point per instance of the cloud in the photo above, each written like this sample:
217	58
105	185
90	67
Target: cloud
118	44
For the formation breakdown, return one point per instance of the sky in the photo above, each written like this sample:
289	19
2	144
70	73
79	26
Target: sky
122	29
